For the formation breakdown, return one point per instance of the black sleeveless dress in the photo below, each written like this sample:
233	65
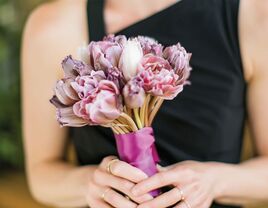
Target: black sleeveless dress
205	122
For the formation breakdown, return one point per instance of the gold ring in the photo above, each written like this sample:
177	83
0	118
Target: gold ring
109	169
104	193
127	197
187	204
181	194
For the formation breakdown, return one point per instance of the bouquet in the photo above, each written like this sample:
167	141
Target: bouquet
121	83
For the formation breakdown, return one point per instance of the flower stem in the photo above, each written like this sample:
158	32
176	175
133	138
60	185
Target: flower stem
120	127
155	110
146	111
137	117
153	103
130	121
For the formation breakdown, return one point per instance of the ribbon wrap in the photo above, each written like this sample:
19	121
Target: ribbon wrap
138	149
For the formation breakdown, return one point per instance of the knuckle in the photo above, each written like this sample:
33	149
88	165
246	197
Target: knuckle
116	168
96	175
162	178
126	185
110	196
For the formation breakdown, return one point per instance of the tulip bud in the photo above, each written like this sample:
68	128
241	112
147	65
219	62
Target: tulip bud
130	59
134	94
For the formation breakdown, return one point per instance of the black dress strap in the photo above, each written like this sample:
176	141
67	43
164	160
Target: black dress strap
95	19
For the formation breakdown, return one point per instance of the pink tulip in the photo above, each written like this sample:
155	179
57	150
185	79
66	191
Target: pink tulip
130	59
159	79
101	108
134	94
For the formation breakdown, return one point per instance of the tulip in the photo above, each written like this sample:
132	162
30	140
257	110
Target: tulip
159	79
65	92
104	54
87	85
100	108
134	94
73	68
130	59
120	39
150	46
66	117
83	54
180	61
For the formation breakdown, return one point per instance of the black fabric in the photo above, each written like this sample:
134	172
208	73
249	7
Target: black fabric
205	122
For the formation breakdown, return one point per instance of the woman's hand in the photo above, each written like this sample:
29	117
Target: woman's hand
194	186
112	182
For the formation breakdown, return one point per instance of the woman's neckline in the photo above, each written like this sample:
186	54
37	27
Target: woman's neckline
151	17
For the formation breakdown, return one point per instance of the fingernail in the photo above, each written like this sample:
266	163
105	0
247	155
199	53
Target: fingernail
147	197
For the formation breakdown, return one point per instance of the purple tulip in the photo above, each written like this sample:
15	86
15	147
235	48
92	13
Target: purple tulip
104	54
179	60
65	92
73	68
66	117
149	45
87	85
120	39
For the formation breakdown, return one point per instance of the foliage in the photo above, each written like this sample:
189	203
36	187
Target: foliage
12	16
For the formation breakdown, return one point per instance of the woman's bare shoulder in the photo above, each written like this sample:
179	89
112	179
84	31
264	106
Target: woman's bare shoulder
253	29
58	27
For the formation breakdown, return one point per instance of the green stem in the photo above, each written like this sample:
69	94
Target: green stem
137	117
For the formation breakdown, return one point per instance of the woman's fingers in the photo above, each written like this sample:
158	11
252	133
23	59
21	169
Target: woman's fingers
183	204
165	200
169	198
157	181
123	170
117	200
119	184
100	204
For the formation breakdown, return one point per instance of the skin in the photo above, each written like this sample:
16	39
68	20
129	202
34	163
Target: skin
54	181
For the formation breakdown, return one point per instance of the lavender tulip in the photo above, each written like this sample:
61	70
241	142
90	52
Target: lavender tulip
134	94
66	117
104	54
73	67
65	92
150	46
179	60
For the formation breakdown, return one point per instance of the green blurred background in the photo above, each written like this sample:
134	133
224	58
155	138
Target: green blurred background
13	189
13	14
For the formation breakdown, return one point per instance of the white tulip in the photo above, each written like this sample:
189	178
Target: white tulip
130	59
83	54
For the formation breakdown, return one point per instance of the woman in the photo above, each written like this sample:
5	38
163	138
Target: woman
202	125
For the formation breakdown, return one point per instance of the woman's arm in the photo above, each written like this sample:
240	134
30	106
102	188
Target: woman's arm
52	32
46	41
248	182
